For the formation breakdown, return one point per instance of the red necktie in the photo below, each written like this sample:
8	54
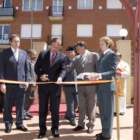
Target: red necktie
52	59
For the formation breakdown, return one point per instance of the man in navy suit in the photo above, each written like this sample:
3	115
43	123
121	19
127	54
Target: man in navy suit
51	66
13	66
106	70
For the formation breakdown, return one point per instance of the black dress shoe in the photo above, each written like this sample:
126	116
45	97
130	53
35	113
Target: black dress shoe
73	123
29	115
26	118
55	133
41	135
97	135
22	128
90	130
122	113
100	137
77	128
7	130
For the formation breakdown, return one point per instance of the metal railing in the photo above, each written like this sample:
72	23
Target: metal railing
56	11
7	11
4	39
50	37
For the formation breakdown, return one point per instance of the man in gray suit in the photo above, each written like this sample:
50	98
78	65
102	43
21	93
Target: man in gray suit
85	62
29	96
106	68
70	90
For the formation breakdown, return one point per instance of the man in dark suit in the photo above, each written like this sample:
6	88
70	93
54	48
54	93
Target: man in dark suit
106	68
29	96
51	65
13	66
71	90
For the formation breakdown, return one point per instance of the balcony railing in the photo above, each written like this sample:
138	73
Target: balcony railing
50	37
7	13
4	39
56	13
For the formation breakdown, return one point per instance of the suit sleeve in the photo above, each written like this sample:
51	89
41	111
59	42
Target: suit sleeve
63	68
27	70
96	58
38	66
112	64
2	65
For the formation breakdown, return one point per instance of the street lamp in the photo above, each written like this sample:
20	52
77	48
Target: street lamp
123	33
32	16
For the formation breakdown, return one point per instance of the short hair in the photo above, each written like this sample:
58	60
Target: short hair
31	51
55	40
70	48
13	36
81	44
108	41
118	54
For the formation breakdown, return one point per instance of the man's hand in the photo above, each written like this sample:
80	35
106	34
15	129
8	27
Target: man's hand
3	88
44	77
26	86
59	81
118	73
95	76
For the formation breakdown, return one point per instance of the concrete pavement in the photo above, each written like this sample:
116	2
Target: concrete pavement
66	133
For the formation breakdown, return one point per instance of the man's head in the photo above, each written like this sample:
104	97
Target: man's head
81	47
71	52
32	54
55	45
119	56
14	41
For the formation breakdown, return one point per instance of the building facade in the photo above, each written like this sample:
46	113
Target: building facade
71	20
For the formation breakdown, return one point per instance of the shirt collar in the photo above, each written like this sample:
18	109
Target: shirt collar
13	50
106	51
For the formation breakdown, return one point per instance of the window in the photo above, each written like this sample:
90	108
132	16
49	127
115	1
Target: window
113	30
84	30
7	3
35	5
4	34
26	31
85	4
114	4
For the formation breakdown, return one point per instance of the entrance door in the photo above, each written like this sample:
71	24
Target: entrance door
57	7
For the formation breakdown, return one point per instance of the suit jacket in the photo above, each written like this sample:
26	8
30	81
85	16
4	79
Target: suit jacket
107	67
71	76
58	69
31	70
10	69
89	66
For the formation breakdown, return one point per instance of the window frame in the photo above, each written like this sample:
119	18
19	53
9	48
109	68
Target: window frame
31	8
85	5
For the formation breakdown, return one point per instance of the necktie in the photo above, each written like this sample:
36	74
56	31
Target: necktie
16	54
83	60
52	59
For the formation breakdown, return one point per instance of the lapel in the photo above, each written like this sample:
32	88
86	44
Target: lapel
12	56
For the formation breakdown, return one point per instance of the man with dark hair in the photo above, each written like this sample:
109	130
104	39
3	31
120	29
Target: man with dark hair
85	62
51	66
13	66
29	96
71	90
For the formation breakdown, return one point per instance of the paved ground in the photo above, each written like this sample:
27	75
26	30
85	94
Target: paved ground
66	133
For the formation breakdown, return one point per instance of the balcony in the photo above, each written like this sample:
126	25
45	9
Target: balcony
56	13
50	37
7	14
4	39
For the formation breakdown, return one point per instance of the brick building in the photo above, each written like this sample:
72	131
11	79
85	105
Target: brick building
70	20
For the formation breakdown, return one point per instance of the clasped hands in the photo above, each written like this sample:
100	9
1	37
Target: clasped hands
93	76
